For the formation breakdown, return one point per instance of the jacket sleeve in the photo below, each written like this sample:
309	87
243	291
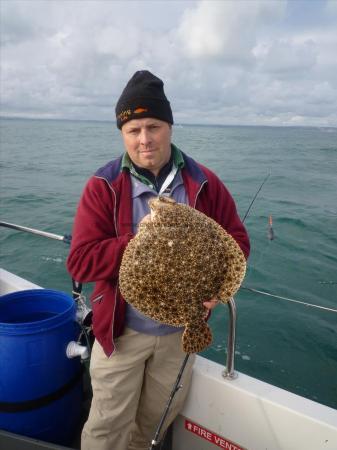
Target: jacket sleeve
223	210
231	222
96	249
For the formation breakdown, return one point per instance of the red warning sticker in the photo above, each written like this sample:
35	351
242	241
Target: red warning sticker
211	437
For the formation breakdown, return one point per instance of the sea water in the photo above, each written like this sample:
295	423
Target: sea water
46	163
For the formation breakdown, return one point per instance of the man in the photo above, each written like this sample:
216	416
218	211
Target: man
135	360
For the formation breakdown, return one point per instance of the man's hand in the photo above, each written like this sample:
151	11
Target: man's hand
210	304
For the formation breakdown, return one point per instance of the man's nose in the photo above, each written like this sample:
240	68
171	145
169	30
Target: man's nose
145	137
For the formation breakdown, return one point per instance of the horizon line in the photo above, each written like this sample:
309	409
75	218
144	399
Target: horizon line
178	124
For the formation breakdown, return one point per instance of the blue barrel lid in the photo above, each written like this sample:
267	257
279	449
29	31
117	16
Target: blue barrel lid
35	310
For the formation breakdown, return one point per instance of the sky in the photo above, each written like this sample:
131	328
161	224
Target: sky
242	62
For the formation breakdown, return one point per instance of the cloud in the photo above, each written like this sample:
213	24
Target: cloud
225	30
15	27
331	8
242	62
287	57
111	40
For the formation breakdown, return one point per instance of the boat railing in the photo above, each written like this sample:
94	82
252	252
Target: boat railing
229	372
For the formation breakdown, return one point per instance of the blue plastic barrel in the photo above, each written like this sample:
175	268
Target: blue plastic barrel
40	388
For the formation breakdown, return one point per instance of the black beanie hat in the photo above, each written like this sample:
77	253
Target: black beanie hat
143	96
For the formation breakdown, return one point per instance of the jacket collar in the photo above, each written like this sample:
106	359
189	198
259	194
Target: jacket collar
192	173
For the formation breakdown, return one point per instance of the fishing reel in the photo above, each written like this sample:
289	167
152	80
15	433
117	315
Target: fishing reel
86	337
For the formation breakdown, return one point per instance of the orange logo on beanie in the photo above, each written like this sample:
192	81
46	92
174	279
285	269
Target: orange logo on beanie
140	110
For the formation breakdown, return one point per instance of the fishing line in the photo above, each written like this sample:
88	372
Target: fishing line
259	258
257	291
254	198
271	235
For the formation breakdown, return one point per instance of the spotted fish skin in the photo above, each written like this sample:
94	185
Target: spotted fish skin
197	336
176	262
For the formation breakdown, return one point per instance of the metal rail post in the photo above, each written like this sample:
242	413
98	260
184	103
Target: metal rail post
229	372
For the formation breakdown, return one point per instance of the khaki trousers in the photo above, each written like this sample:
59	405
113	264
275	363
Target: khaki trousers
131	388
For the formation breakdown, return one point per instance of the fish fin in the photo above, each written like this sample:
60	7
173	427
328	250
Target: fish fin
196	337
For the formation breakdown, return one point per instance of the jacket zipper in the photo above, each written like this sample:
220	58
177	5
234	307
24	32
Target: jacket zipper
115	206
197	195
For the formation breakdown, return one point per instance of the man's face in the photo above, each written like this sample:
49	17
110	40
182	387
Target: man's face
148	142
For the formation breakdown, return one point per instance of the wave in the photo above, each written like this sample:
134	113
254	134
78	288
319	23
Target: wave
52	259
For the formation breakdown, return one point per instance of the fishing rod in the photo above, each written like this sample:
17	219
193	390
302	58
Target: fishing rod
254	198
66	238
175	389
77	287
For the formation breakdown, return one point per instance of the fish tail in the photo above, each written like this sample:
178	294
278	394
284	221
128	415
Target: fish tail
196	337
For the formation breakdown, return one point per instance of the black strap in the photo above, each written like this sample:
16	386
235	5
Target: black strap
28	405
